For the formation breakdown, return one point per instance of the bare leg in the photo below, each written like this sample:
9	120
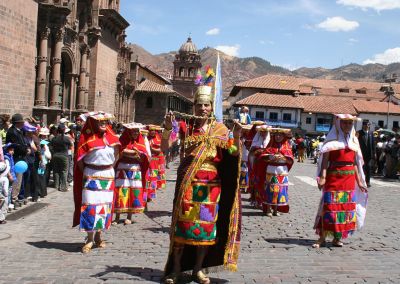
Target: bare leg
201	253
99	242
275	213
321	241
116	220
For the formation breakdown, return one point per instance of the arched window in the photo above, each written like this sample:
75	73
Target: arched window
149	102
191	72
181	72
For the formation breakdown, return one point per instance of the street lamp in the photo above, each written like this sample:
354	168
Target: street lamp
388	89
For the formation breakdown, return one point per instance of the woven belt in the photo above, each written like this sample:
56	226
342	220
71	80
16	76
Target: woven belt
98	167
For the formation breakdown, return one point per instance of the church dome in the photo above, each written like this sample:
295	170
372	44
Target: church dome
188	47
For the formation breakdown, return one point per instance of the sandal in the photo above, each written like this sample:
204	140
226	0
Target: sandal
201	278
127	222
87	247
171	279
115	222
276	213
337	243
319	243
269	214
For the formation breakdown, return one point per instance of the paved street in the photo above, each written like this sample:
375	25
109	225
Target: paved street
43	248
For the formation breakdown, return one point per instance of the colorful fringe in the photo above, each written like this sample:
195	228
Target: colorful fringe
130	196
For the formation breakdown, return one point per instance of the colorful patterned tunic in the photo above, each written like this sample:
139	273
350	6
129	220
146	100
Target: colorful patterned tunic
338	204
98	190
197	220
207	209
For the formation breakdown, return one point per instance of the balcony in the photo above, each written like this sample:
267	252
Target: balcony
322	127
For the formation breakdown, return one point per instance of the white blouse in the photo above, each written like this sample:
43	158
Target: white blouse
100	157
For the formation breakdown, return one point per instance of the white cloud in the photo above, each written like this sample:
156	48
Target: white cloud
377	5
390	55
214	31
232	50
337	24
353	40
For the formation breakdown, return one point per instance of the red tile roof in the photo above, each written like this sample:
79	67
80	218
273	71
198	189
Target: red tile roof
375	107
261	99
321	86
148	86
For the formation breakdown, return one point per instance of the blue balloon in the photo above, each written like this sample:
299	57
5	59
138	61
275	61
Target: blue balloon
21	167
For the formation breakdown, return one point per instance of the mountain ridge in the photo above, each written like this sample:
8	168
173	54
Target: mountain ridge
236	69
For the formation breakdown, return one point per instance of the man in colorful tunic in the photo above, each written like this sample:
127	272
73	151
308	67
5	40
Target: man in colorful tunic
98	150
131	172
205	229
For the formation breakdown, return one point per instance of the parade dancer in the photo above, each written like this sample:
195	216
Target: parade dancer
274	166
155	148
97	152
205	229
131	171
258	144
244	169
340	176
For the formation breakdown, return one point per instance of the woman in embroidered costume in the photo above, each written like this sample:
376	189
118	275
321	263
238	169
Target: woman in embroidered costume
274	165
340	175
157	170
97	152
244	169
205	229
259	141
131	172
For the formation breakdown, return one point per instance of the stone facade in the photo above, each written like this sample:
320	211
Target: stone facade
18	29
78	49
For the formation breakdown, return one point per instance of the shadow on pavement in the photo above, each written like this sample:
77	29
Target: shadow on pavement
164	230
254	213
154	214
291	241
145	273
68	247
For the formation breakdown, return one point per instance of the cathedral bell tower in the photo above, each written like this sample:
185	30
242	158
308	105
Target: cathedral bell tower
186	64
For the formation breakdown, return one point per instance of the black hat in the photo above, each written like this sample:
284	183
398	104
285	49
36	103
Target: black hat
17	118
365	122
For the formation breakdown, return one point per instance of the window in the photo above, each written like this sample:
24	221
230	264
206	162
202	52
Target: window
273	116
308	120
149	102
361	91
287	117
380	123
259	115
344	90
395	124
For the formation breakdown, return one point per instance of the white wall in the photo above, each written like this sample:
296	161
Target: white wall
304	125
374	118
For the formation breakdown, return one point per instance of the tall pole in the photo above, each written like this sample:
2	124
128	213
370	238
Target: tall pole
389	92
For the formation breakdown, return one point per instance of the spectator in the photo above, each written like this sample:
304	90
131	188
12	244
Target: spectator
5	124
15	135
367	145
12	178
32	159
4	183
45	158
60	145
70	133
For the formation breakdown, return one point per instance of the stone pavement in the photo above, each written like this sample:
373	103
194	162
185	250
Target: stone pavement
43	248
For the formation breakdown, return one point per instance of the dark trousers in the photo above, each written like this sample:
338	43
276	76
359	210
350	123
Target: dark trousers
367	171
60	170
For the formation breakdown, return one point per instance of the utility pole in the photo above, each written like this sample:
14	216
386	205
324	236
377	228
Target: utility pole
389	92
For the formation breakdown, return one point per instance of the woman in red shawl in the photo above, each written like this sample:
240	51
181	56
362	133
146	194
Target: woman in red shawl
157	170
97	152
276	162
131	170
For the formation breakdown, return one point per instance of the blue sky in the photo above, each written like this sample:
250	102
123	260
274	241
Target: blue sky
289	33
